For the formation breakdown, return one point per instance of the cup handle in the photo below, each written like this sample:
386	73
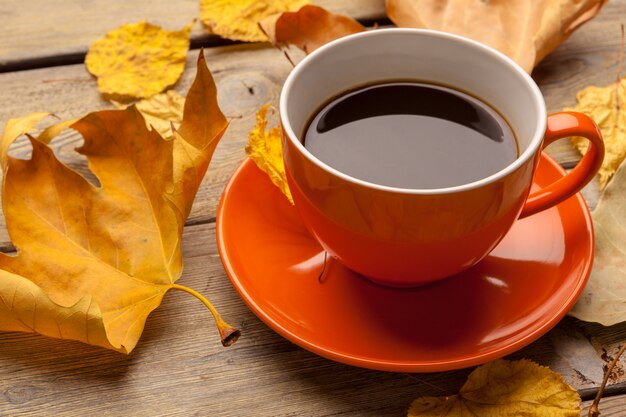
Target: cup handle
562	125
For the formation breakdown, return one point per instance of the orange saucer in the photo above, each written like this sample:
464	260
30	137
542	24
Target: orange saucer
510	299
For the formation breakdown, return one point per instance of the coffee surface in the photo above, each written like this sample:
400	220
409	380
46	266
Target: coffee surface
411	135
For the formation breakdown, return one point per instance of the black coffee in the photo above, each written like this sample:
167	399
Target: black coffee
411	135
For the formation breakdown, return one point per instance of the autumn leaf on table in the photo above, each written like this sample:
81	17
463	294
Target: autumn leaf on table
308	28
92	262
265	148
607	107
505	389
138	60
604	298
526	31
14	128
160	111
238	19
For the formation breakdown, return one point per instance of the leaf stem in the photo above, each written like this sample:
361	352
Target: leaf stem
228	333
593	410
275	45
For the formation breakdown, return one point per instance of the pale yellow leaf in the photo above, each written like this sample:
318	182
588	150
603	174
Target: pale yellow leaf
138	60
505	389
266	150
604	298
161	111
524	30
607	107
239	19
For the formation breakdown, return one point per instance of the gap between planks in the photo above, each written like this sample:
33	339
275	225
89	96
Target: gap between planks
197	42
203	41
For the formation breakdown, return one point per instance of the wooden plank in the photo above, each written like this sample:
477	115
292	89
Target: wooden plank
251	75
181	370
607	340
610	406
44	31
247	77
179	367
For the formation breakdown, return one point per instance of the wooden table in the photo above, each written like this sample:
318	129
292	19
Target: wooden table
179	366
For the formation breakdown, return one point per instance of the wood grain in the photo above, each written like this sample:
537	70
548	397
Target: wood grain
609	407
48	32
247	77
251	75
180	368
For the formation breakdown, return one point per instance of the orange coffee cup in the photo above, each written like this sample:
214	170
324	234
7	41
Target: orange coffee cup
407	237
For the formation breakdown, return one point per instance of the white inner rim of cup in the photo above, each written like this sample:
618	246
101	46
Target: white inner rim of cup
424	55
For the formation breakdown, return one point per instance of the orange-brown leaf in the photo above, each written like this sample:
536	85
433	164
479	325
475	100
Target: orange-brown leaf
94	261
308	28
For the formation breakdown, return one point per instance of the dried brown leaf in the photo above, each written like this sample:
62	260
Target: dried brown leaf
526	31
308	28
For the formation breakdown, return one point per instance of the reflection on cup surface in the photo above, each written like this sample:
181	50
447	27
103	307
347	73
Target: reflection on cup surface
410	234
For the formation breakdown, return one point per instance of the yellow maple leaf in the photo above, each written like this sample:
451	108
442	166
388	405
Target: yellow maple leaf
138	60
160	111
266	150
238	19
308	28
526	31
607	107
93	261
505	389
